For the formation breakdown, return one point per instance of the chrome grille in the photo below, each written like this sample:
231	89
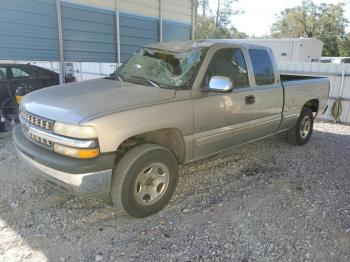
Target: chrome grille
37	121
40	140
28	119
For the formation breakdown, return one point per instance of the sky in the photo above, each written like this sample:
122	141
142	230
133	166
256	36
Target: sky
259	15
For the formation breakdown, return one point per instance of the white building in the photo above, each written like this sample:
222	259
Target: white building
293	49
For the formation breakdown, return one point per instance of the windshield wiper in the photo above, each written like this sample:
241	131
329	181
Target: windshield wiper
152	82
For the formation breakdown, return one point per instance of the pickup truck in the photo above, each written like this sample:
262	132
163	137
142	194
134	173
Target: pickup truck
125	137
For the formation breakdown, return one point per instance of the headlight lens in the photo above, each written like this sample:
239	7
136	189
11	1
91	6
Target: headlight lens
74	131
76	152
79	132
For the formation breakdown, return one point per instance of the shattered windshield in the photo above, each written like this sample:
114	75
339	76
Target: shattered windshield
162	68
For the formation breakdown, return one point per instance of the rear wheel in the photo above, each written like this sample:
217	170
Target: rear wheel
300	134
144	180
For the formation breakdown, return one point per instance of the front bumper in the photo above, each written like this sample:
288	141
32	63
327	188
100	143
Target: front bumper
88	178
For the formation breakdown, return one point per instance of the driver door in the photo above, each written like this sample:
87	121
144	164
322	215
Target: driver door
223	120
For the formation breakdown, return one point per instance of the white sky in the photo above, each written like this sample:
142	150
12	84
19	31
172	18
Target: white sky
260	14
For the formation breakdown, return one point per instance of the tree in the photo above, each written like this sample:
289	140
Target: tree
206	29
325	22
224	12
204	5
216	25
345	46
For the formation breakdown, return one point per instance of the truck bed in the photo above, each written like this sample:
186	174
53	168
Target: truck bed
300	88
286	77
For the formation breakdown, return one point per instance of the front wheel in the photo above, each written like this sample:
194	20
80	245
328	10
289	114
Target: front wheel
300	134
9	111
144	180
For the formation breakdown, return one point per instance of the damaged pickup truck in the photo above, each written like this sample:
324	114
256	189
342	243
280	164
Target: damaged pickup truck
125	137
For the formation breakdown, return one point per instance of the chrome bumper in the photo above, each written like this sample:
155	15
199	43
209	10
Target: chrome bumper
96	184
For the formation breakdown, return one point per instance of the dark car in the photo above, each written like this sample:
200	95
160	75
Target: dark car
14	75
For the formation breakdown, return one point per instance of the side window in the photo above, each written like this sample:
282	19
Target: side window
27	72
262	66
2	73
230	62
19	73
34	72
346	60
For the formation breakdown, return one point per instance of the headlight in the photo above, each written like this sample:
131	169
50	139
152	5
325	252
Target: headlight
79	132
74	131
76	152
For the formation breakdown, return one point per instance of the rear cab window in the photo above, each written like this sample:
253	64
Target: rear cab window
262	67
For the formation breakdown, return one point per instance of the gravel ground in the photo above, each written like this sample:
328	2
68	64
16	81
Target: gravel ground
266	201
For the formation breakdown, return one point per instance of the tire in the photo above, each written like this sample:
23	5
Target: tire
9	110
301	133
144	180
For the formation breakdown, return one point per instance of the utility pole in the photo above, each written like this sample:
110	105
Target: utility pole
60	42
117	33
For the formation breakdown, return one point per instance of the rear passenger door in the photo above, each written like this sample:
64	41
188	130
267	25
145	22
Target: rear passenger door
268	92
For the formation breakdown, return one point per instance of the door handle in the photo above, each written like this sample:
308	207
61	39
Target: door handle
249	100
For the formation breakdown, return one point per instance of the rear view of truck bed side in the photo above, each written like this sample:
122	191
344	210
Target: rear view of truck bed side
298	89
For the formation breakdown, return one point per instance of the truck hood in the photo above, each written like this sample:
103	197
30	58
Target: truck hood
71	103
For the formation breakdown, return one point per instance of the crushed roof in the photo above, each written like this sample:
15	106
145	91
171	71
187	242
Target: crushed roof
182	46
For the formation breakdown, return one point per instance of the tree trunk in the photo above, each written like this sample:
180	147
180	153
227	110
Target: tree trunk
203	8
217	15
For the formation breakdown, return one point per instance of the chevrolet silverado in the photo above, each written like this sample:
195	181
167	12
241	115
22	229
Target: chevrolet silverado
124	137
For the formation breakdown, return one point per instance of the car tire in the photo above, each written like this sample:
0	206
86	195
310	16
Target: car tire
9	111
144	180
301	133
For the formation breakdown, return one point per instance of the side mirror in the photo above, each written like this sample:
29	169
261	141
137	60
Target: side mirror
219	84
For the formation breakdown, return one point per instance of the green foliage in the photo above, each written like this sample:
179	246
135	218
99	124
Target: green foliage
206	29
325	22
204	6
344	48
216	26
224	12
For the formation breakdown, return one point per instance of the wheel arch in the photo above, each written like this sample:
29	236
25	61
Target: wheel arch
313	104
170	138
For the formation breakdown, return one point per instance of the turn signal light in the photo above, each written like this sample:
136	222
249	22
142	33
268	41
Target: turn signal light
76	152
19	99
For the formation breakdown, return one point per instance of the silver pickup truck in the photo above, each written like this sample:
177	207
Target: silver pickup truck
124	137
